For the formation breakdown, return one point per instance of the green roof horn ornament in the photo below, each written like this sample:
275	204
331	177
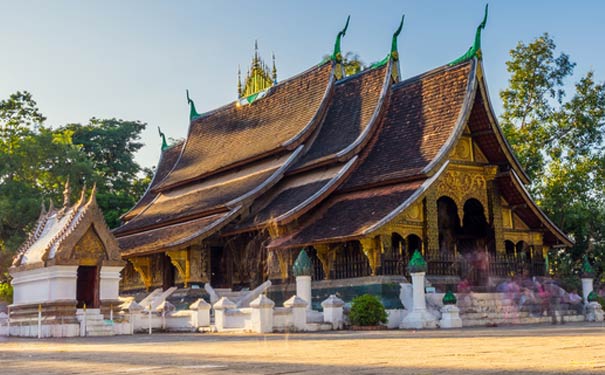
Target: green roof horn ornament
417	263
394	54
302	265
475	49
163	136
192	112
337	54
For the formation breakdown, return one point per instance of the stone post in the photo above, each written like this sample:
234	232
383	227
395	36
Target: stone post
594	310
262	314
200	313
450	313
419	317
299	312
587	287
333	313
220	308
587	278
303	269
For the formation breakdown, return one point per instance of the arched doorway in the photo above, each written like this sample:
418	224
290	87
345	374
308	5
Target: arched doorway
509	247
523	251
449	225
474	241
414	243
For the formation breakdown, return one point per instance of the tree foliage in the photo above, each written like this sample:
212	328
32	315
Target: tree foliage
557	135
36	161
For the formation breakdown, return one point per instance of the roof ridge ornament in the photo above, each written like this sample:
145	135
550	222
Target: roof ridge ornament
193	115
475	49
394	54
336	56
163	136
394	51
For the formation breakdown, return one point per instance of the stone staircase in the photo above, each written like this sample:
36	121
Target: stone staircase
489	309
95	323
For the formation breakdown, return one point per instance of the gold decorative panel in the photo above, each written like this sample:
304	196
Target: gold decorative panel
507	218
89	249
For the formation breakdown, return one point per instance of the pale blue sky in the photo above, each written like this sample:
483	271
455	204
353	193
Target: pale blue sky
134	59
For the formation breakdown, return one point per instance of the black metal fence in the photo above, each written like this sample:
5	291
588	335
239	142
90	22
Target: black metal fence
474	267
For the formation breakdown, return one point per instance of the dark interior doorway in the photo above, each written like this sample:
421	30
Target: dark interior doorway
168	273
217	271
87	289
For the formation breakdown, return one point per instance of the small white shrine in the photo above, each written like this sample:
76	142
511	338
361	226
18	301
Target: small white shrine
68	271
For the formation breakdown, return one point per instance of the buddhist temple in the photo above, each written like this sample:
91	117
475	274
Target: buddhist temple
69	263
358	170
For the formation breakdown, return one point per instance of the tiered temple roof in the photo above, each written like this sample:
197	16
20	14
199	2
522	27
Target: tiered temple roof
69	235
324	158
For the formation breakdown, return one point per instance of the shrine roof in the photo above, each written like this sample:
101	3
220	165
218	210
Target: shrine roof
349	216
236	133
421	121
170	236
219	193
294	196
168	158
57	232
353	111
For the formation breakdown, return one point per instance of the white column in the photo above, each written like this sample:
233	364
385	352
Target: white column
262	314
303	289
109	286
419	317
299	312
586	288
333	311
200	315
220	308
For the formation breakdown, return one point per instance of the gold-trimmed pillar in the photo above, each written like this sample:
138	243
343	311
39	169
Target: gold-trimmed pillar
326	255
495	216
431	222
142	265
180	260
372	248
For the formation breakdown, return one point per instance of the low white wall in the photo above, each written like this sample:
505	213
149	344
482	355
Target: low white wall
45	285
109	286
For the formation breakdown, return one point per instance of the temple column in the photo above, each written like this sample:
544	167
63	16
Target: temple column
180	260
143	267
495	216
431	222
326	255
372	248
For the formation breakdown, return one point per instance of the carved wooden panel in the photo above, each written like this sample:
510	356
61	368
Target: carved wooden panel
89	249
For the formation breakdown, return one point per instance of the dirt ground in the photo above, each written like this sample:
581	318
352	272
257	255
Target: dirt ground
573	348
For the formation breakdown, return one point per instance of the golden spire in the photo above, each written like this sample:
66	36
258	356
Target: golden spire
259	78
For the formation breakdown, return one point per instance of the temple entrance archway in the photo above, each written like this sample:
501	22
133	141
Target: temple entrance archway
413	243
87	287
449	225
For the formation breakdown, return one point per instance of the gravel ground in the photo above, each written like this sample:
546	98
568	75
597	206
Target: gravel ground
572	348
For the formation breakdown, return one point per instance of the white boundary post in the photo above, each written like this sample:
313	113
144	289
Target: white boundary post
39	321
149	318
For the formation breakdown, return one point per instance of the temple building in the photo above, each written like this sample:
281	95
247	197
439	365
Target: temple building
358	170
70	263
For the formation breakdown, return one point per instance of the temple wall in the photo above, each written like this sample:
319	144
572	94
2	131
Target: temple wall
45	285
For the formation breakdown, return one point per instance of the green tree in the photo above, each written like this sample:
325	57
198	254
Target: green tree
36	161
560	143
111	145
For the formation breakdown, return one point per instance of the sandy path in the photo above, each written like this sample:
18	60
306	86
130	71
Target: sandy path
578	349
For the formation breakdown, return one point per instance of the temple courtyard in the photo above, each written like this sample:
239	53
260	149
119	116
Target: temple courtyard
571	348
